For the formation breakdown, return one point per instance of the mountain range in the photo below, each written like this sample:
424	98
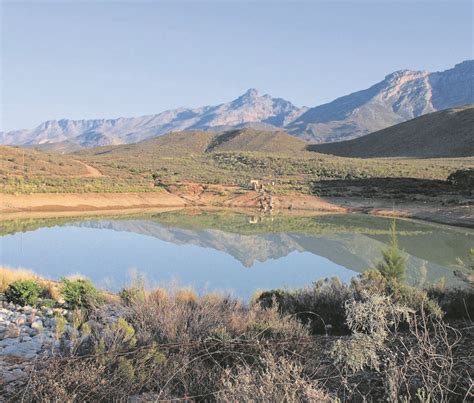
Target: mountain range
401	96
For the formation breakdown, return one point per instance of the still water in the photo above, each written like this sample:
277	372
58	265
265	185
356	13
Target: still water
229	252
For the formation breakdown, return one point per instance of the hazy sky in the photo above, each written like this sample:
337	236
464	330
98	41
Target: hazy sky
90	59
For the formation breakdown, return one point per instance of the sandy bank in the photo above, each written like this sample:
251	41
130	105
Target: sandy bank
86	201
457	215
64	204
61	202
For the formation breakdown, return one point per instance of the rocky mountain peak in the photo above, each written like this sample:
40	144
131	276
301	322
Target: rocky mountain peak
403	76
251	96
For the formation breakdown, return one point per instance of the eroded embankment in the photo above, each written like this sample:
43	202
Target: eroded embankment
115	201
64	203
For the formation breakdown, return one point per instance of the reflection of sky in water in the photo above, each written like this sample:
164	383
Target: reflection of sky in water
108	257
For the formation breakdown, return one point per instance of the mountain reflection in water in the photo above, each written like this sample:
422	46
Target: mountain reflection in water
196	249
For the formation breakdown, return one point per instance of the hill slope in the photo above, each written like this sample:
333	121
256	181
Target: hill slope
448	133
401	96
16	161
198	142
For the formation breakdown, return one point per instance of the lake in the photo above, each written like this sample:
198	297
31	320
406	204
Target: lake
226	251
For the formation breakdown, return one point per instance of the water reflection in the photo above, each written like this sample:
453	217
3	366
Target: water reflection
228	251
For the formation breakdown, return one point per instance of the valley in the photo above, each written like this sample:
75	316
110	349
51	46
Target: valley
215	169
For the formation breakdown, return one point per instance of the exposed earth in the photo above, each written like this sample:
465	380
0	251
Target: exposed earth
205	196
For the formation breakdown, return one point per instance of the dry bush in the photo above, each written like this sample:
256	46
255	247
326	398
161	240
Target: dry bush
179	346
413	364
183	317
174	346
425	364
319	306
270	379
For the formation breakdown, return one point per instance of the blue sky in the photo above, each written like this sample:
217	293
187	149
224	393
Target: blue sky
93	59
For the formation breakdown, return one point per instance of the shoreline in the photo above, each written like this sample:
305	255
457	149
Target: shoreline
72	204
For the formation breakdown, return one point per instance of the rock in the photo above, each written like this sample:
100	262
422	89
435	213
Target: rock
28	349
7	342
13	330
32	332
37	325
14	375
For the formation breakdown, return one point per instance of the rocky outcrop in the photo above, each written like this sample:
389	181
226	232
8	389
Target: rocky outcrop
26	334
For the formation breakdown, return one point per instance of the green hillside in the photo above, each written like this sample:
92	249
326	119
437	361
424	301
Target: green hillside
257	140
233	157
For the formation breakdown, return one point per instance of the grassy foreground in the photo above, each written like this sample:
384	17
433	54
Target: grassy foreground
374	339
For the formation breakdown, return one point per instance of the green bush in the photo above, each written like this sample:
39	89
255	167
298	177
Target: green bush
80	293
393	263
23	292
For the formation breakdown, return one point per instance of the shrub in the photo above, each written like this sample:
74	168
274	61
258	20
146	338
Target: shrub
23	292
320	306
8	276
271	379
455	303
392	265
462	178
130	295
373	282
80	293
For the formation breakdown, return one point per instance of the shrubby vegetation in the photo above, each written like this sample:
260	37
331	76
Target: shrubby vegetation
80	293
374	339
138	167
165	345
463	178
23	292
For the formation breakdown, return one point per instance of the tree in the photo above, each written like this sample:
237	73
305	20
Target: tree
393	263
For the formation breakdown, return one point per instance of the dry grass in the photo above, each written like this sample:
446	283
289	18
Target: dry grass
9	275
168	346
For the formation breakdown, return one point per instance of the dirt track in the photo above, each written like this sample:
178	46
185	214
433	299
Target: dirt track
91	172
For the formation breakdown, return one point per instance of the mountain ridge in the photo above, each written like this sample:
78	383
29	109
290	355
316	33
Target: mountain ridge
400	96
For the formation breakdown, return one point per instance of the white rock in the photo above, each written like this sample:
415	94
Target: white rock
37	325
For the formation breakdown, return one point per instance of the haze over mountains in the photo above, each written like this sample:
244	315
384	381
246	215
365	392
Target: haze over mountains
401	96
